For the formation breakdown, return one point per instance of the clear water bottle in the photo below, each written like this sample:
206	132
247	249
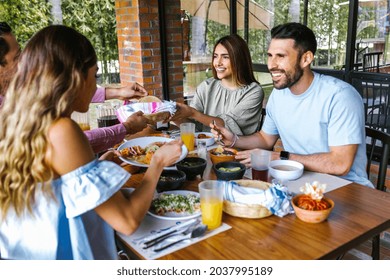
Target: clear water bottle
201	149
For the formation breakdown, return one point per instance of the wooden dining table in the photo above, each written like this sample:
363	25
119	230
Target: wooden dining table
359	214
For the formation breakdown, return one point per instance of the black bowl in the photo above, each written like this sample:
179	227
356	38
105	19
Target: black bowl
192	167
170	180
233	170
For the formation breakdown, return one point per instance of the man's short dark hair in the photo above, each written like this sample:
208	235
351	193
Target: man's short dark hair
304	38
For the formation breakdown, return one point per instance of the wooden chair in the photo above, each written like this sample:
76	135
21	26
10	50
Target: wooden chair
377	140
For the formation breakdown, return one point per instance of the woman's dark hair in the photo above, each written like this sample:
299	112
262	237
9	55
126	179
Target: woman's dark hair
304	38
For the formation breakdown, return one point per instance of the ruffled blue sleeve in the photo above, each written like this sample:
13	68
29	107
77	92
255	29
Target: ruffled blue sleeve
90	185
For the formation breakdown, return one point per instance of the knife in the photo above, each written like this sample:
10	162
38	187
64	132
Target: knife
155	241
191	232
169	231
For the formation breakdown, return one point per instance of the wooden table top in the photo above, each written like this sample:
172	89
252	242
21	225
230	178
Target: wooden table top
359	214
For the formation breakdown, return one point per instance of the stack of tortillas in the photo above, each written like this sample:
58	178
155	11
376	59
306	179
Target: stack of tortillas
154	117
149	98
153	108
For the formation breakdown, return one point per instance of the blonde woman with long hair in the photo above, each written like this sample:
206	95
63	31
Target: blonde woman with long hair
56	200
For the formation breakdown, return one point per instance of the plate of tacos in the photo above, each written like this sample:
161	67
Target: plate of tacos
139	151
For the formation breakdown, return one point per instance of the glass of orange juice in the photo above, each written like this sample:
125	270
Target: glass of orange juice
211	201
82	119
187	133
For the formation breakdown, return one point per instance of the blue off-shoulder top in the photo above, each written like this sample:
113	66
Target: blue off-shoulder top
66	226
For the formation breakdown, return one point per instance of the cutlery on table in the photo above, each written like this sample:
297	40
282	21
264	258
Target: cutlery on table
191	232
161	238
175	229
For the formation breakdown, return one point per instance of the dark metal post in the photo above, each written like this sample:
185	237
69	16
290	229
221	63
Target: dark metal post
351	36
246	21
163	44
233	16
305	11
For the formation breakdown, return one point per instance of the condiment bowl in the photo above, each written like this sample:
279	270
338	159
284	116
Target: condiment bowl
227	154
311	216
229	170
192	167
208	137
285	170
170	180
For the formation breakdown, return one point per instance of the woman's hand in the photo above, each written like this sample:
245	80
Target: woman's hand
131	91
169	153
112	155
222	133
183	111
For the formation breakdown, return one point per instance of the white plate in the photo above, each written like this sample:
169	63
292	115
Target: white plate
176	216
209	141
143	142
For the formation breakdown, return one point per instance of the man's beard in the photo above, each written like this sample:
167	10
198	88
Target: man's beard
5	78
291	79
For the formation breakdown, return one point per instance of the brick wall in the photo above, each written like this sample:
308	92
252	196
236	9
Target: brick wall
139	45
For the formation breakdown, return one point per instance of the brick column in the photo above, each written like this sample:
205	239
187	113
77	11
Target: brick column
139	45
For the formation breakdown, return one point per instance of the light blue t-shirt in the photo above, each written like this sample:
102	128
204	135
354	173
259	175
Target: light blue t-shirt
329	113
66	227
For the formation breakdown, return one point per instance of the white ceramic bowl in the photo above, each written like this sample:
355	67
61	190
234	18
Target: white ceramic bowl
285	170
209	141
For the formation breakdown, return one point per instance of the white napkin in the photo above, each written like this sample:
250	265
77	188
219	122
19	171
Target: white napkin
276	198
146	107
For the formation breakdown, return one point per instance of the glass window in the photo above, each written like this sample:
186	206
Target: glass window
372	35
328	19
208	21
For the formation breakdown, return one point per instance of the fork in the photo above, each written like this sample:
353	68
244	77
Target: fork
219	138
151	243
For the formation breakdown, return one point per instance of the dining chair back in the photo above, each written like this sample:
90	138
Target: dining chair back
371	61
378	142
374	89
262	118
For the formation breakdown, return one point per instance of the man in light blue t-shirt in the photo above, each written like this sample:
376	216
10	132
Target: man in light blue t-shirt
320	119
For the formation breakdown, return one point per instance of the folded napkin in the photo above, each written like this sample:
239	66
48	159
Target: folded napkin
146	107
276	198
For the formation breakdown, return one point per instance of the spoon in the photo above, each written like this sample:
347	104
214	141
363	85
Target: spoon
219	139
188	234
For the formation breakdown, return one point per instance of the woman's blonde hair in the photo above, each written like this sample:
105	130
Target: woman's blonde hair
51	71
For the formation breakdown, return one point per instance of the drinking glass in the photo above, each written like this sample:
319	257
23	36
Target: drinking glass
106	115
187	133
259	161
82	119
211	202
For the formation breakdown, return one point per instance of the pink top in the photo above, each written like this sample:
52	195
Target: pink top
101	139
99	96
